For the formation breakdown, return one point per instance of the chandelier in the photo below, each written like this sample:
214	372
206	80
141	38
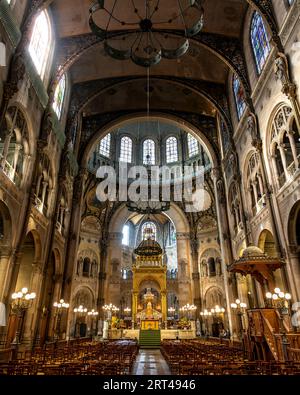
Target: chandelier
146	31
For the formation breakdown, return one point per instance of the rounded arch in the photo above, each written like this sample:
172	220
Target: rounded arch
214	295
83	295
266	243
189	128
57	261
38	247
175	215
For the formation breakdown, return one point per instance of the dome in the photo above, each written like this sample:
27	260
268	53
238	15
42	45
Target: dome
252	251
148	247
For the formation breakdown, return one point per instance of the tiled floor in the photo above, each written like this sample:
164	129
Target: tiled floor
150	362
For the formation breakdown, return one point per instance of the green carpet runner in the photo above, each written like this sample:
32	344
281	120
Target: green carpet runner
149	339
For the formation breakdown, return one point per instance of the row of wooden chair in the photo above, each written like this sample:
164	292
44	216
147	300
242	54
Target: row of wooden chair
83	358
202	357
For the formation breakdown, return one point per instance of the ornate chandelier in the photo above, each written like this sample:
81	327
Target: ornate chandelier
146	31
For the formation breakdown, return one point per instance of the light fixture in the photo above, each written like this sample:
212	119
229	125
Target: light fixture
22	300
80	309
146	31
93	313
61	305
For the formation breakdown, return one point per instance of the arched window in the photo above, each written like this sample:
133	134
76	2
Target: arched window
149	152
193	145
255	185
39	45
104	148
284	145
260	42
149	231
171	150
59	96
239	96
126	150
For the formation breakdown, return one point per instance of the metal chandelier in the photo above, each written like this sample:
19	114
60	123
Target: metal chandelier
146	31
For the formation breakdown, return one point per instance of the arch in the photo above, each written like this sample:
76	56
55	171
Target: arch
30	257
214	296
83	295
57	259
187	126
266	243
175	214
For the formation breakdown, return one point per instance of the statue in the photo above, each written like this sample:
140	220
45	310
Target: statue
149	298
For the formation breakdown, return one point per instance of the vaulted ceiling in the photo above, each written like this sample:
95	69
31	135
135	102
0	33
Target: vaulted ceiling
194	83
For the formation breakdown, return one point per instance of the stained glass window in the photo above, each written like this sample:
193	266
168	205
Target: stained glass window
39	45
149	231
259	41
149	152
171	150
239	96
59	96
104	148
193	145
126	150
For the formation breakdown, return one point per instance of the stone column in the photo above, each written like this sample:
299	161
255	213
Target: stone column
134	305
73	239
5	255
195	274
231	293
29	324
294	148
164	306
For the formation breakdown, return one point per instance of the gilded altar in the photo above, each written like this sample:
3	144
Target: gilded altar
149	266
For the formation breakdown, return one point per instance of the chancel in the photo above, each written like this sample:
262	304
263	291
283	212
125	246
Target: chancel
149	188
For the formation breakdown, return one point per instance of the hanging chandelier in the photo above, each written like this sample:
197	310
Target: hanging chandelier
146	31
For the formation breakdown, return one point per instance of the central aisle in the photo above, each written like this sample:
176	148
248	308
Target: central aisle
150	362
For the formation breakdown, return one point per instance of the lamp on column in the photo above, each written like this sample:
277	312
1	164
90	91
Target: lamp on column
59	307
206	314
240	309
93	314
21	302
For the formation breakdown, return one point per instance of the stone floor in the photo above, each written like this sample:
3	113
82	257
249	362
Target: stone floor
150	362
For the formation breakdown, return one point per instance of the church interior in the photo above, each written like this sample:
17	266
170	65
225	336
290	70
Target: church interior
90	286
